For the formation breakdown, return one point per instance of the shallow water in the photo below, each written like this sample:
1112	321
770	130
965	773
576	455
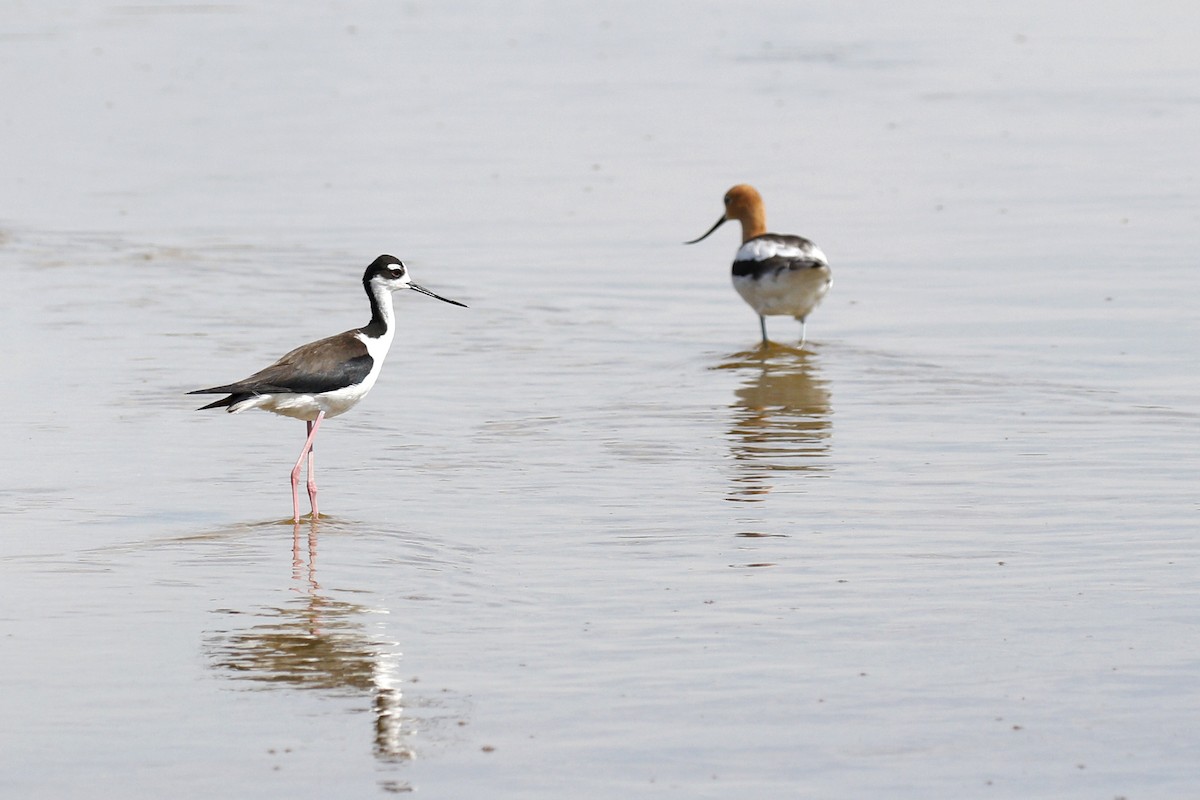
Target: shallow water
585	538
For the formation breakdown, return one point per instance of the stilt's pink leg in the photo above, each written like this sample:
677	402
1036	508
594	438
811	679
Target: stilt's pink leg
312	491
296	490
312	481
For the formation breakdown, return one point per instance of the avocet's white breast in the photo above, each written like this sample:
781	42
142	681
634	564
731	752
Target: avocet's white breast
793	293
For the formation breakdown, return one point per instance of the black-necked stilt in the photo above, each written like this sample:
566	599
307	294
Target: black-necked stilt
774	273
327	377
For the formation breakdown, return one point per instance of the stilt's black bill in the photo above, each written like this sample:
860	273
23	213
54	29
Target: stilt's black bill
720	222
423	290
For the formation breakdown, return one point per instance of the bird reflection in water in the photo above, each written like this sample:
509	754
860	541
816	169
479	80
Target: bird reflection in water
317	642
781	419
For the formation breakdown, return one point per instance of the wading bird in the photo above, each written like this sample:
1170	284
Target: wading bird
327	377
775	273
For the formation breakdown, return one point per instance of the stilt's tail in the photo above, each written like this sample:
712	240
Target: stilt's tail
224	402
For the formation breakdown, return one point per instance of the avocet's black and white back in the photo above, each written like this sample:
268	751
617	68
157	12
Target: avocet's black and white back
776	274
781	275
327	377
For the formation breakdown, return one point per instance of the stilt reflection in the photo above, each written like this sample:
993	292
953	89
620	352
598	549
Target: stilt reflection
318	642
782	424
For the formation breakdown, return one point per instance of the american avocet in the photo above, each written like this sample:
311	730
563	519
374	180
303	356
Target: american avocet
774	273
327	377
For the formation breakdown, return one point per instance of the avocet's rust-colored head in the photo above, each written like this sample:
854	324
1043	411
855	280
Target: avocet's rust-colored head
744	204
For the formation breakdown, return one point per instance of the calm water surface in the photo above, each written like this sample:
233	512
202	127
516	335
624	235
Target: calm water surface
585	538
